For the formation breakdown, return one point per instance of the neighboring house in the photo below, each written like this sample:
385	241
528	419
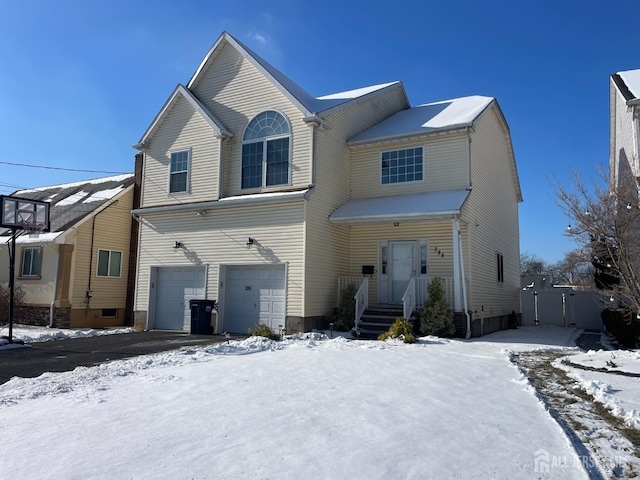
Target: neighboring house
624	126
77	274
265	198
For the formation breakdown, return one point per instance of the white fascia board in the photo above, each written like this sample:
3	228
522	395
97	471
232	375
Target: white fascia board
239	200
405	217
43	238
361	98
405	136
215	124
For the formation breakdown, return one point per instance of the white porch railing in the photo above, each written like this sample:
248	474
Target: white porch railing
409	299
362	299
344	281
423	282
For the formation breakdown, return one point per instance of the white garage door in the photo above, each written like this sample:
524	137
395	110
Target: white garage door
254	293
175	287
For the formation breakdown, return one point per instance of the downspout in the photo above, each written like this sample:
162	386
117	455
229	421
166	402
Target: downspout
469	154
464	286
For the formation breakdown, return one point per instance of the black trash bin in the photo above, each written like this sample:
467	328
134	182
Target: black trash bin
201	316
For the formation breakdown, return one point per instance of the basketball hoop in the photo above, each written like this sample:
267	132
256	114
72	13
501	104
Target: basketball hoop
33	229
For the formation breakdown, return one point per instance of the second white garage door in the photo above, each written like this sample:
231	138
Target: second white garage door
254	293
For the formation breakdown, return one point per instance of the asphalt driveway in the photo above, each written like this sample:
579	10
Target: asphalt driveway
65	355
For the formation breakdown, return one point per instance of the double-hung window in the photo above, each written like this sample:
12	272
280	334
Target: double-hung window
31	261
109	263
399	166
179	172
265	151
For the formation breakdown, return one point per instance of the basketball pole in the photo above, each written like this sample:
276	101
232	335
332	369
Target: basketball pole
12	268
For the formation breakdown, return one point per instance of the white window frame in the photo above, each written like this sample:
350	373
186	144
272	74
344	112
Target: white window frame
38	273
406	181
187	171
265	141
108	275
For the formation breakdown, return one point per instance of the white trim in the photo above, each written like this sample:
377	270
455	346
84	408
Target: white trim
216	125
383	185
109	263
238	200
187	190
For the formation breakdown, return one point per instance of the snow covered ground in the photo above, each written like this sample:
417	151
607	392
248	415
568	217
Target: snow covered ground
30	334
306	407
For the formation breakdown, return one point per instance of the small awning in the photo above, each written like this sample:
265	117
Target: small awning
421	206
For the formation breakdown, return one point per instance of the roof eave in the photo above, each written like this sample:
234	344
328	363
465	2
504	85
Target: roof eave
354	101
407	135
407	217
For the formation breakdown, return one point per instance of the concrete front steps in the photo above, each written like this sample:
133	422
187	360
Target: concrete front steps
377	320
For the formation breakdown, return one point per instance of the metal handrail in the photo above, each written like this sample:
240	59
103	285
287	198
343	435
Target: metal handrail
409	299
362	299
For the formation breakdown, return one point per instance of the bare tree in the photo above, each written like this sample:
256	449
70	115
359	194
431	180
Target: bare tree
605	219
576	268
531	264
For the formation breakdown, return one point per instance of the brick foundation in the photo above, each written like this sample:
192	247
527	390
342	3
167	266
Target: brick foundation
39	316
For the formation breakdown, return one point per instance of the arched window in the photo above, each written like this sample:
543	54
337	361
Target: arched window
265	151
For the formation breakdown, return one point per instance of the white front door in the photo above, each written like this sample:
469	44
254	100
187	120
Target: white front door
402	268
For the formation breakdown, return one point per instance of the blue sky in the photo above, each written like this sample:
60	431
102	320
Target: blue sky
80	81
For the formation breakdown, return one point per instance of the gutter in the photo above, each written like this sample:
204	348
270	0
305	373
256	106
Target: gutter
419	134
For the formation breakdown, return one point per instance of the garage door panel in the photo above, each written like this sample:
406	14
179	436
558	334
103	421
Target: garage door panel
175	287
250	294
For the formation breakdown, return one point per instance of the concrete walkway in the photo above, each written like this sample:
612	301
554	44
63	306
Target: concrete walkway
65	355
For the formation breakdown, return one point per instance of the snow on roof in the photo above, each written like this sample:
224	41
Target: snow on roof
104	194
358	92
632	80
62	186
44	237
444	115
419	206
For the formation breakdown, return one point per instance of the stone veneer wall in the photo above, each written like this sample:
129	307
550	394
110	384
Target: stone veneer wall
39	316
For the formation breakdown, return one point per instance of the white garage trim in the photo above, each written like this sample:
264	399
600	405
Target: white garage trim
154	320
249	293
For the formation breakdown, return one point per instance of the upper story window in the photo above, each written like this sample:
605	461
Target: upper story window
31	262
109	263
400	166
265	151
179	172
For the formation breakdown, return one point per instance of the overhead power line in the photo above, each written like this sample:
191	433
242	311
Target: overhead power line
46	167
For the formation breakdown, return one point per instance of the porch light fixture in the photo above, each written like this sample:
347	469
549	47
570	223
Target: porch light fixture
250	242
396	224
202	213
177	246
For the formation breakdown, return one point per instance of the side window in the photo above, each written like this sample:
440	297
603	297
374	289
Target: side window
399	166
266	151
179	172
31	262
500	267
109	263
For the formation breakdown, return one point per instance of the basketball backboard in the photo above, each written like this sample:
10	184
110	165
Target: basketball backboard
20	213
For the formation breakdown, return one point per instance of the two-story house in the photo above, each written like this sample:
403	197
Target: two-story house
624	125
265	198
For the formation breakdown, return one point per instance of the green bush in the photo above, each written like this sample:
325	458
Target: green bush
263	330
622	324
344	317
435	317
402	329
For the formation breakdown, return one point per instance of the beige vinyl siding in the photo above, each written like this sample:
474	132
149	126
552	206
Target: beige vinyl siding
221	237
365	240
183	128
446	166
491	212
625	147
235	92
112	232
327	245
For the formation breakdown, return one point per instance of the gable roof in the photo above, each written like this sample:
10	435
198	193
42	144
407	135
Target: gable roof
71	202
628	83
309	105
428	118
181	92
